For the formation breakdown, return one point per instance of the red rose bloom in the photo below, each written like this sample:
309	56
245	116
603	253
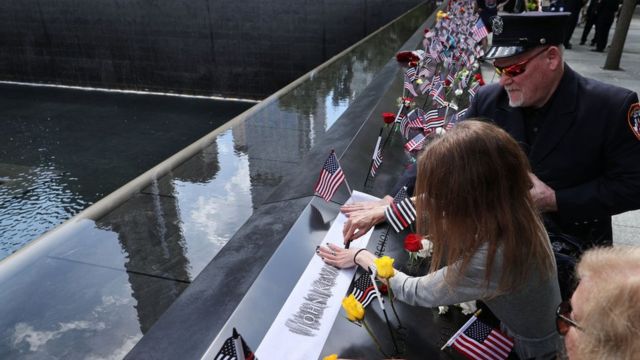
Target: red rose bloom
478	76
413	242
426	30
388	117
383	288
406	56
447	83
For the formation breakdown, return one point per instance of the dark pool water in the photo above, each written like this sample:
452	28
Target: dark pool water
62	150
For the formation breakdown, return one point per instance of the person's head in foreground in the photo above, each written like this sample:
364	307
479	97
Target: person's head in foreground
527	54
473	188
602	320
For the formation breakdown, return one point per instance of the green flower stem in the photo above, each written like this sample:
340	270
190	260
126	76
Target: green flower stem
375	339
393	307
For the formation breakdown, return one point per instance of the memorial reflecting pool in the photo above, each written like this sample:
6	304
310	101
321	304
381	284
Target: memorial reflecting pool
62	150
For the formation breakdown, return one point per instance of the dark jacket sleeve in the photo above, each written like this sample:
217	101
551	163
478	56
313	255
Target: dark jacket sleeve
617	189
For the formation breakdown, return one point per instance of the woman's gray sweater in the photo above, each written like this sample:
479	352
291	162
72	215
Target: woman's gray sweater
527	314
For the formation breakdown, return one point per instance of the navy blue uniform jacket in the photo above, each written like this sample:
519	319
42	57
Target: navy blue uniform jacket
585	151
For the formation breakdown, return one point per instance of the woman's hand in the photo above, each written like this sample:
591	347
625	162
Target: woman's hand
360	221
347	209
337	256
344	258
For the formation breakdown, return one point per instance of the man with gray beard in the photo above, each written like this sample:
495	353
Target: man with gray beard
582	137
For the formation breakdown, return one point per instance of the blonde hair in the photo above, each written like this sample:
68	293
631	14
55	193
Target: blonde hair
611	312
473	189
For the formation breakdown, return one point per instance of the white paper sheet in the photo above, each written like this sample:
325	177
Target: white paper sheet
306	318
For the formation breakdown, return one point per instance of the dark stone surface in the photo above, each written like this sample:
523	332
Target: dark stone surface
225	294
187	329
245	49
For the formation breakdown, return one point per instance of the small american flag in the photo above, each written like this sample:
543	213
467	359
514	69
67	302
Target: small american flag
409	86
435	84
330	179
425	87
411	73
404	126
415	143
481	342
377	161
401	195
438	95
363	290
434	118
401	213
232	346
450	76
479	31
473	89
416	119
377	157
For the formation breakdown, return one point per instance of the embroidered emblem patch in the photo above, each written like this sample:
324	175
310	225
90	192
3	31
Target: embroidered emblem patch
634	119
497	25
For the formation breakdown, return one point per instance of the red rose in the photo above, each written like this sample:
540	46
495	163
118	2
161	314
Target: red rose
413	242
406	56
426	30
383	288
447	83
478	76
388	117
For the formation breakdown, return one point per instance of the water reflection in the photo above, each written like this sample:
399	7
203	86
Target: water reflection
62	150
33	200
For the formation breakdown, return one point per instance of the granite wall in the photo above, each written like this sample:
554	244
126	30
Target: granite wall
243	49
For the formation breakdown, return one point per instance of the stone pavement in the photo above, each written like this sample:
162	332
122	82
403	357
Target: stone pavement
626	226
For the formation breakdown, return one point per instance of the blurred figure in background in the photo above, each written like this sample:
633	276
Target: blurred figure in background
606	12
590	22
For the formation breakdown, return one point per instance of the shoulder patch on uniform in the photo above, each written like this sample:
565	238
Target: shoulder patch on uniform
634	119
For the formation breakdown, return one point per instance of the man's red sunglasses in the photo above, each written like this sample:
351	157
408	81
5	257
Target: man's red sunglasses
516	69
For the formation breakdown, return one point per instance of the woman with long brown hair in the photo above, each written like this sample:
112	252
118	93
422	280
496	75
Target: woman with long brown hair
489	243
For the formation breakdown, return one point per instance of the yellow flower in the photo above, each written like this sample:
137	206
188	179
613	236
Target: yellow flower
353	308
441	15
385	267
331	357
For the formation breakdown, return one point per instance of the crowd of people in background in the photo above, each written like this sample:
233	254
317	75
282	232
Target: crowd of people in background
592	13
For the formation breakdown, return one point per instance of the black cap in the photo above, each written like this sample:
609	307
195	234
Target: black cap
516	33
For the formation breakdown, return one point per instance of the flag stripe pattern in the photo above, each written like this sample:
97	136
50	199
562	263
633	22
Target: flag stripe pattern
377	161
434	118
363	290
481	342
330	179
401	213
479	30
415	143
